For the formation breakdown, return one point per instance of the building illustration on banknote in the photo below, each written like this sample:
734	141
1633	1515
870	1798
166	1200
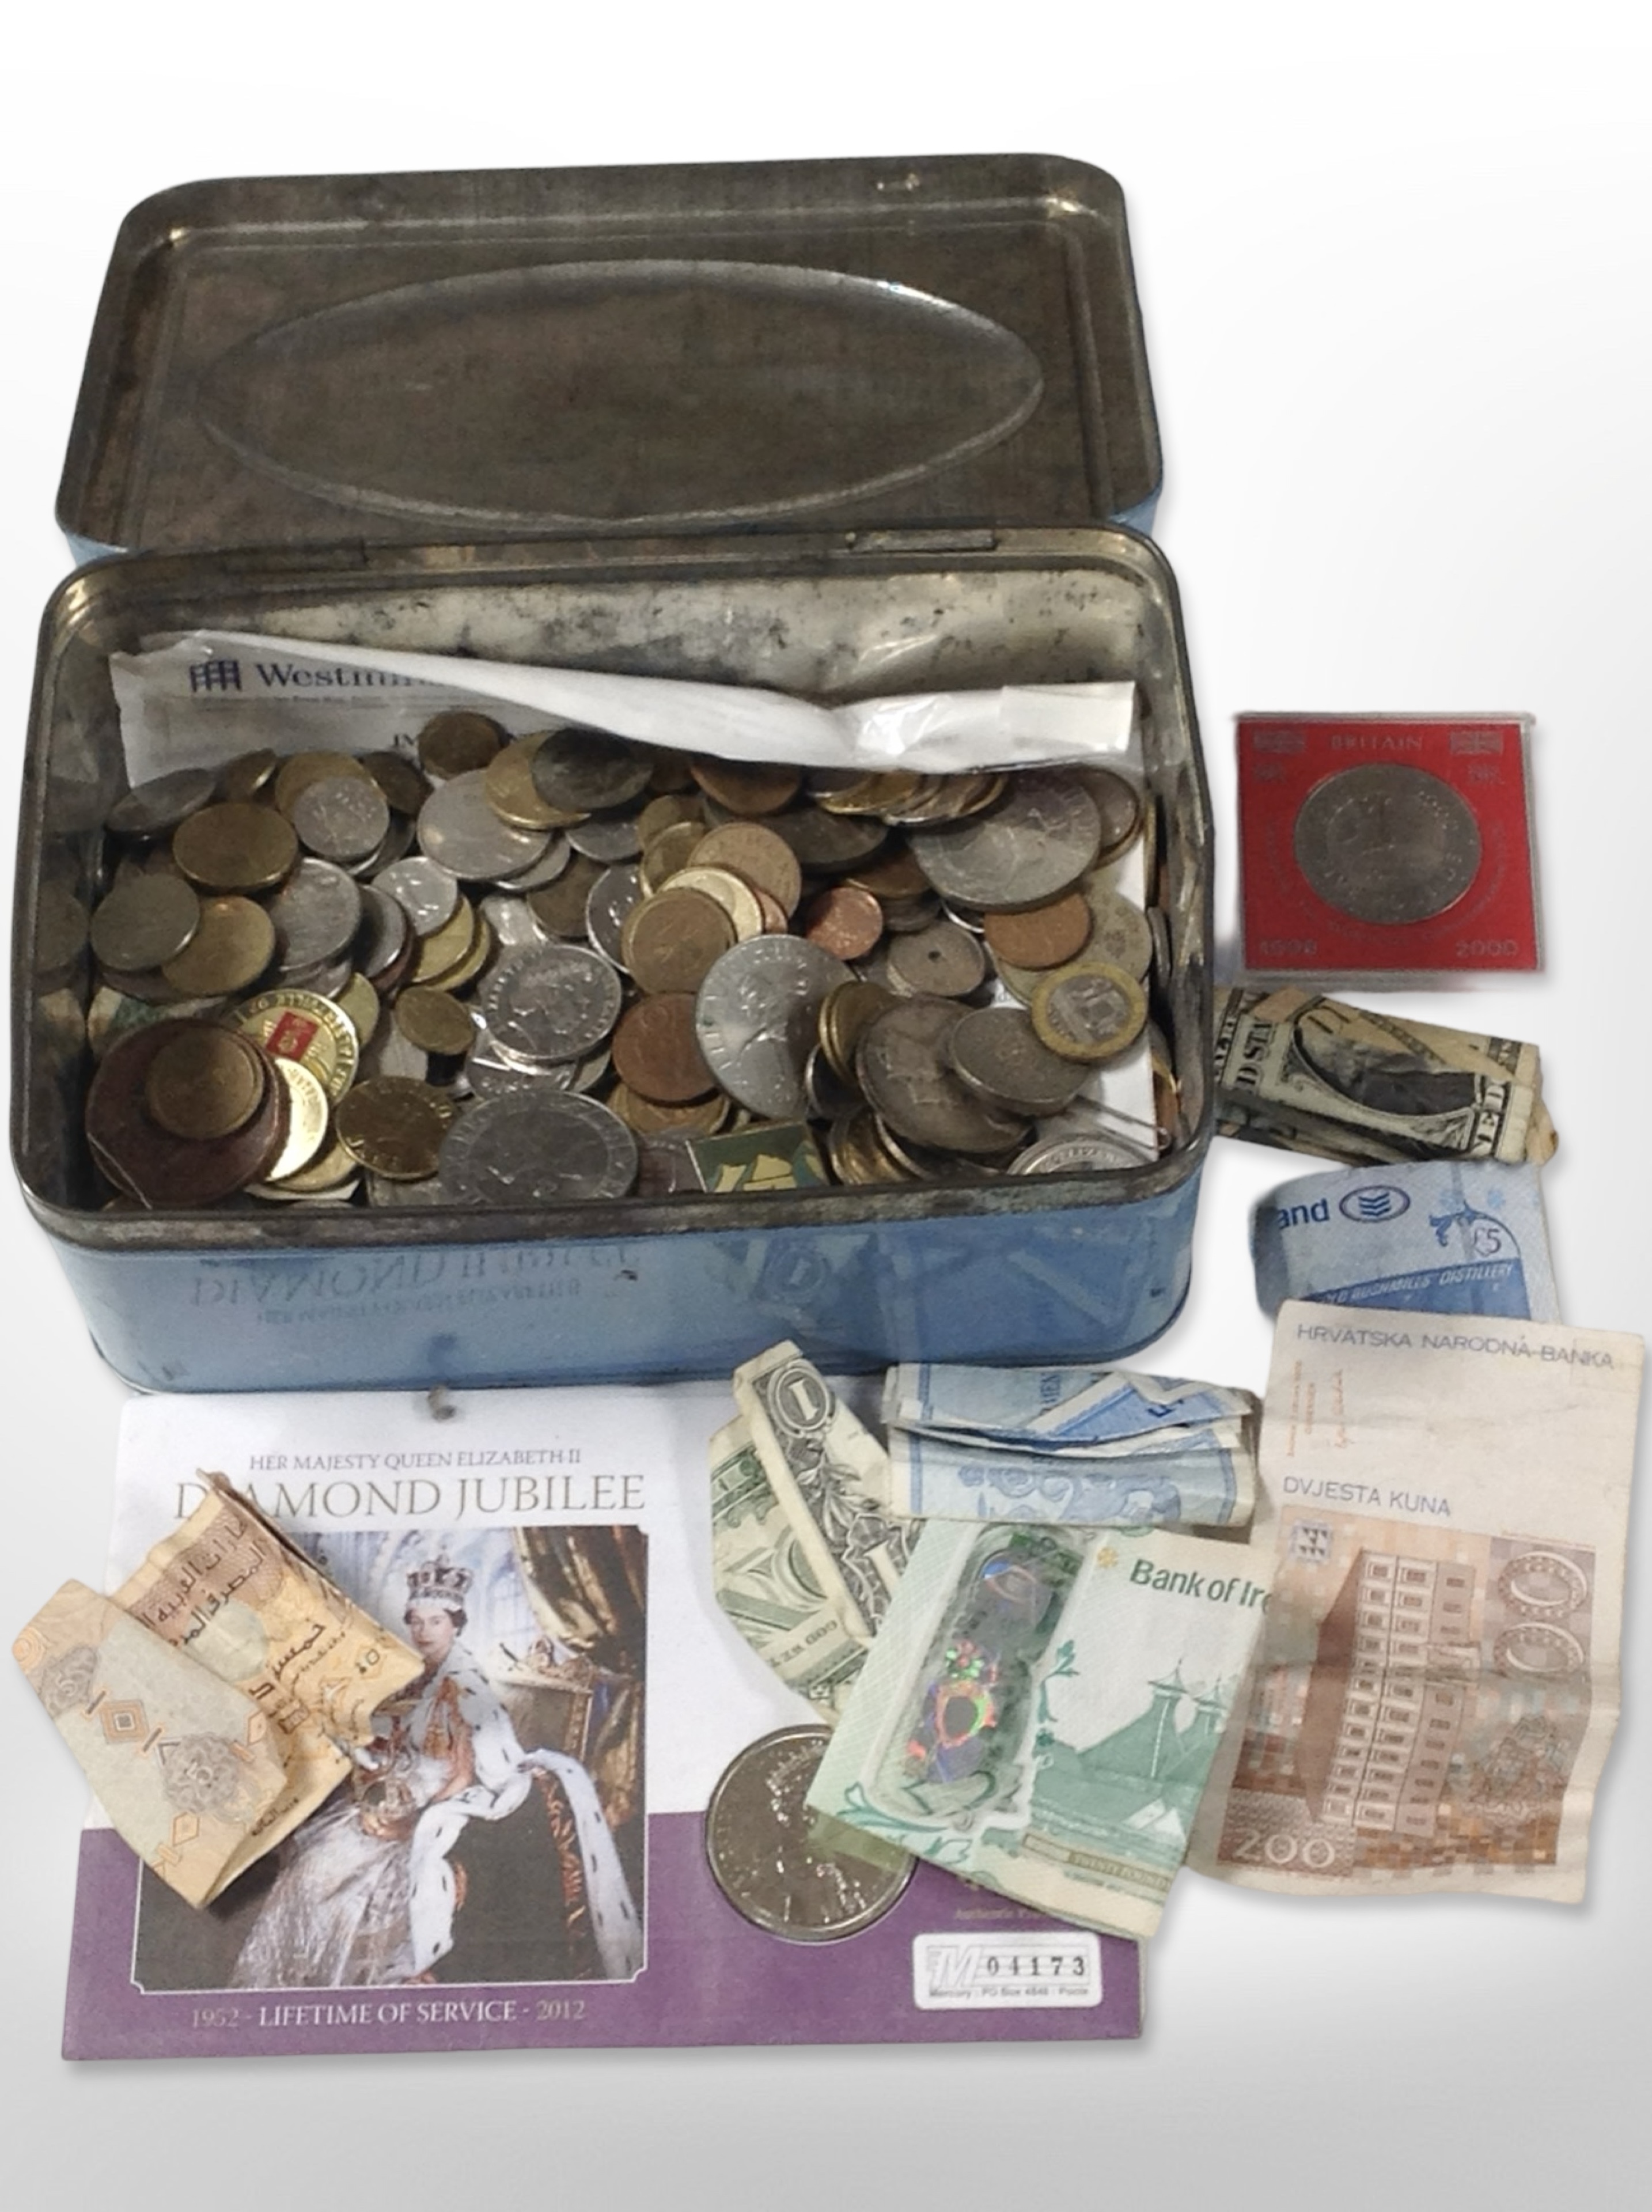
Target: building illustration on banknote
1436	1723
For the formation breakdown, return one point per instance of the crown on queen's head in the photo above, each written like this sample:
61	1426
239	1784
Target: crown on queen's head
437	1582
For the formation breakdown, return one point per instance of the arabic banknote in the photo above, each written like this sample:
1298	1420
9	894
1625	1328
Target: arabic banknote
1316	1075
1091	1446
228	1589
831	1479
1462	1237
1041	1708
1437	1682
186	1766
765	1583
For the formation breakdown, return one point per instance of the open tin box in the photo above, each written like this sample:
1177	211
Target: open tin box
839	429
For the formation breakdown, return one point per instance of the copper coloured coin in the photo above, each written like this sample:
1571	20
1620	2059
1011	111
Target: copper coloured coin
149	1163
1041	936
656	1052
205	1082
767	862
747	787
671	942
844	920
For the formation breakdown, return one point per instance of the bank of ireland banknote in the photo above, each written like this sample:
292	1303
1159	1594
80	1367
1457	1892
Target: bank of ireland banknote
831	1478
1458	1237
1315	1073
765	1583
1437	1683
1041	1708
227	1589
185	1766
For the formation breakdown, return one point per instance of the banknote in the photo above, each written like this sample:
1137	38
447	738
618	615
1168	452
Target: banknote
1437	1683
1201	1479
764	1582
185	1766
1316	1074
228	1589
1052	1406
1463	1237
1040	1707
831	1478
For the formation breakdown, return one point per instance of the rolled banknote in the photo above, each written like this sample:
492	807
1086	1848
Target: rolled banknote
1052	1406
765	1583
831	1478
185	1766
1199	1480
1041	1708
1462	1237
1437	1682
236	1596
1317	1074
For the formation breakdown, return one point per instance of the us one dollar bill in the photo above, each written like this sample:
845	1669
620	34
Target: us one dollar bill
1462	1236
1316	1075
765	1582
230	1591
1437	1682
1041	1708
185	1766
831	1479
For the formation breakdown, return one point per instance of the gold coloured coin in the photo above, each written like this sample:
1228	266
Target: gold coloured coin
236	846
1088	1012
671	942
399	781
306	1126
394	1126
758	856
331	1170
434	1021
361	1005
732	892
234	945
248	774
746	787
559	907
666	812
846	1012
481	952
204	1083
648	1117
448	947
456	743
293	1024
673	850
508	784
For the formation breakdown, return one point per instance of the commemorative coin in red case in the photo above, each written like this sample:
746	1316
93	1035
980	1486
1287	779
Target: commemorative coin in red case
1384	847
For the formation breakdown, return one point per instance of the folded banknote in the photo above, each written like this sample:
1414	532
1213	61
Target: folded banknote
1460	1236
1437	1686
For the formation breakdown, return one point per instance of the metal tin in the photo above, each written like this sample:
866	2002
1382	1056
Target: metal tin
960	542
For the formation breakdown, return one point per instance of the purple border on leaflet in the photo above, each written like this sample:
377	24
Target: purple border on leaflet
710	1978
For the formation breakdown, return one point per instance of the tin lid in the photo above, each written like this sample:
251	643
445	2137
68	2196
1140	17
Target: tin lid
866	344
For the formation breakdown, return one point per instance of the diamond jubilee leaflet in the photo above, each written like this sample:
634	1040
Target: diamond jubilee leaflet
520	1858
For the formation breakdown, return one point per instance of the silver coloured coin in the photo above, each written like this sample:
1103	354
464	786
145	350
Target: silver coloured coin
1076	1155
556	1003
493	1074
787	1869
316	913
1029	846
1120	806
580	771
143	923
382	1192
904	1068
382	938
550	864
665	1165
613	895
757	1016
822	844
1386	843
996	1053
827	1094
343	818
388	1052
397	841
426	893
512	922
150	809
538	1149
1120	935
943	960
326	979
607	838
906	918
1158	927
458	829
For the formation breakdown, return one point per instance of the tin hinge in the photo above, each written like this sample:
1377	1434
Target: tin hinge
923	541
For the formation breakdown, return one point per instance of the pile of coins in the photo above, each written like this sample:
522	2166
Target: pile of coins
564	966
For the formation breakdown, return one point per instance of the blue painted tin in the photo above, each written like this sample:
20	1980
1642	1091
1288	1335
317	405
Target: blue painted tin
952	529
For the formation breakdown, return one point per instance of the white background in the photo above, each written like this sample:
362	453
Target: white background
1394	265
